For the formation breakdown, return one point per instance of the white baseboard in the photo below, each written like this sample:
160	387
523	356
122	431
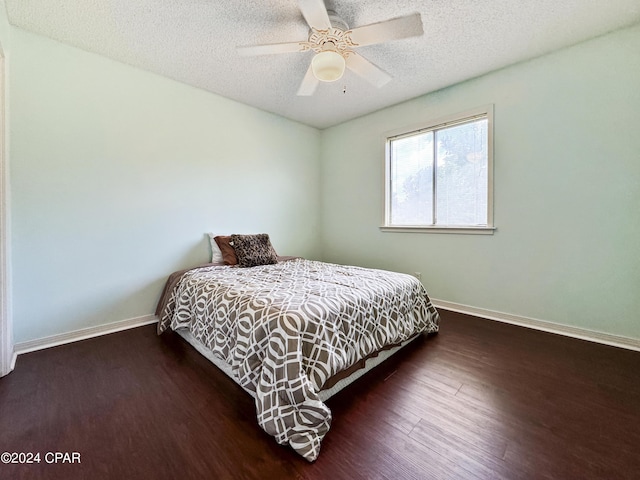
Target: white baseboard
82	334
569	331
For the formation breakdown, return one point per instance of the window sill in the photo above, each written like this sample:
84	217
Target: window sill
439	229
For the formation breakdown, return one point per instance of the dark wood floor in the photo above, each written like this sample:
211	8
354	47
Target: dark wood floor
479	400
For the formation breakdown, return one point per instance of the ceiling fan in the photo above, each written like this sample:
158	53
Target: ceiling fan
334	43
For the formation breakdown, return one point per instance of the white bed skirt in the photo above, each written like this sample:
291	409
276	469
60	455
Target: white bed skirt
323	394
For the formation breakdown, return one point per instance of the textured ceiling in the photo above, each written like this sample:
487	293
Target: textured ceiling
193	41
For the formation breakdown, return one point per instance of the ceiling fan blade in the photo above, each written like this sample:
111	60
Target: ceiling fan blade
367	70
251	50
315	13
309	84
394	29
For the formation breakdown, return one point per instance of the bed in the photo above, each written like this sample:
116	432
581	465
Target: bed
294	331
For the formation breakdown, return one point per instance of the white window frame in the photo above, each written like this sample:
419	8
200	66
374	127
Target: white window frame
485	111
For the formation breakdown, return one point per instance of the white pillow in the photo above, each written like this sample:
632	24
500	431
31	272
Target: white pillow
216	254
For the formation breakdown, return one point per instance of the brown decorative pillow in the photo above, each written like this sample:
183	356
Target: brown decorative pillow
228	252
253	250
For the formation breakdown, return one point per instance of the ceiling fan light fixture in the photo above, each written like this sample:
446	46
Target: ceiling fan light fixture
328	66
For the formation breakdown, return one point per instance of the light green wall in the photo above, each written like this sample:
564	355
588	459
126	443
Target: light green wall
567	191
117	174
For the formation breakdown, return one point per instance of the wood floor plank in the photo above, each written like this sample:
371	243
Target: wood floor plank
462	451
417	460
479	400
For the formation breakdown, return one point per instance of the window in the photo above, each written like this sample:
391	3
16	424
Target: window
439	176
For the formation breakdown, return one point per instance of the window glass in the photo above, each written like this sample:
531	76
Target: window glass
462	178
412	180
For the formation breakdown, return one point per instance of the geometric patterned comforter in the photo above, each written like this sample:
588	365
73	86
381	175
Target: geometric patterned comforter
286	328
